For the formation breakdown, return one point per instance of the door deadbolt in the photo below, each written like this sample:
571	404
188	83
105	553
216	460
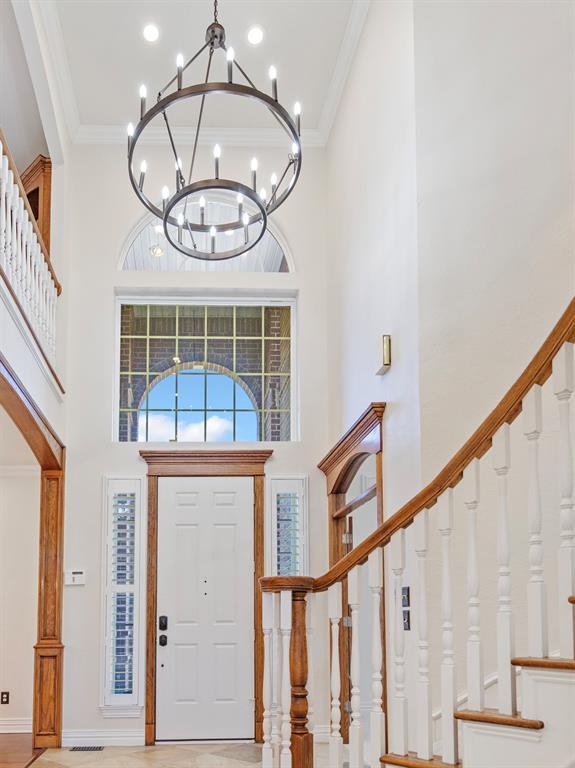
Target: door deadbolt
163	640
163	623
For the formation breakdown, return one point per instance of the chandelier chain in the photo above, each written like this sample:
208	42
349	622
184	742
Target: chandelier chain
216	11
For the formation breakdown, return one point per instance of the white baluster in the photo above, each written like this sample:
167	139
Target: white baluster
267	626
377	722
285	627
448	672
474	652
3	206
17	285
506	678
335	741
13	233
563	386
310	664
276	680
399	718
355	729
424	732
537	638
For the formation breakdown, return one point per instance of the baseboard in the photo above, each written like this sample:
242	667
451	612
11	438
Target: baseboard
15	725
321	734
132	738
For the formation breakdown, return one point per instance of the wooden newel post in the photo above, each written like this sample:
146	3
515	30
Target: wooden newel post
301	738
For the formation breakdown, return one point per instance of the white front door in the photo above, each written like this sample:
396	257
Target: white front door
205	655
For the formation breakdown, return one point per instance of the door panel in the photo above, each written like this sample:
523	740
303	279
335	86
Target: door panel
205	677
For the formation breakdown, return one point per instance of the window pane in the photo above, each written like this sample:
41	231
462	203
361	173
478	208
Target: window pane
248	355
255	386
132	391
134	320
221	352
247	426
191	391
277	356
243	400
278	321
220	427
122	667
162	353
287	534
220	321
248	321
128	426
133	354
276	426
162	320
191	350
220	392
162	393
191	427
161	427
277	393
191	321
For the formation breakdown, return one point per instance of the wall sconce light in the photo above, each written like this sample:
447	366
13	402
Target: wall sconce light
386	355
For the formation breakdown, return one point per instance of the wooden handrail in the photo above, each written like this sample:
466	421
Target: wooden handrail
507	410
18	181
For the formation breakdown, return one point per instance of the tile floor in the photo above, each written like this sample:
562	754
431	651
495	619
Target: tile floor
166	756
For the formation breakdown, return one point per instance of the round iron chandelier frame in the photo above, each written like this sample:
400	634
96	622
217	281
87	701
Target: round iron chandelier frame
166	99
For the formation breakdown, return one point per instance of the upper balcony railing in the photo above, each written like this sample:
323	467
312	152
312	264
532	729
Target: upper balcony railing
25	267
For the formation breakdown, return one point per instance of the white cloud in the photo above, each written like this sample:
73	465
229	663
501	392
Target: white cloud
161	429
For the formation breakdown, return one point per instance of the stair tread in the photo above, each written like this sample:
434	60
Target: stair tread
412	761
495	717
546	663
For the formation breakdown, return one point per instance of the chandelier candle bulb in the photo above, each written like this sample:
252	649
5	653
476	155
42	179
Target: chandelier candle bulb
230	53
143	169
273	73
297	113
165	195
217	155
245	222
254	172
180	225
263	194
295	149
213	239
130	132
143	95
274	183
180	68
202	210
240	200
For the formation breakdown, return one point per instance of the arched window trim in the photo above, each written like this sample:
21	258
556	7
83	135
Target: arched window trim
147	219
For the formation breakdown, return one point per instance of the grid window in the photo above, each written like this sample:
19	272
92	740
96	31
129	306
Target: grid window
205	373
122	592
289	529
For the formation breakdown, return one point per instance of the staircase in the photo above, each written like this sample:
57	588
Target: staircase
416	716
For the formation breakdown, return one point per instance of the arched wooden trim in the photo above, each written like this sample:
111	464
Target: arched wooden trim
203	463
48	651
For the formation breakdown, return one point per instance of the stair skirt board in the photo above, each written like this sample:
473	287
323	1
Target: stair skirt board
15	725
99	738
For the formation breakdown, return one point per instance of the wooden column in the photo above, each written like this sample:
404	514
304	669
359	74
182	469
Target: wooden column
48	651
301	738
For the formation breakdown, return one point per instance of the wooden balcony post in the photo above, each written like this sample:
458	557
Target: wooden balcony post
301	738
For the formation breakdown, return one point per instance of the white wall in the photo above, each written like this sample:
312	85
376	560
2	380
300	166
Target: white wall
96	235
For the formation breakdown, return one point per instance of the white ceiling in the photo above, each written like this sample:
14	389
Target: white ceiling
102	58
14	450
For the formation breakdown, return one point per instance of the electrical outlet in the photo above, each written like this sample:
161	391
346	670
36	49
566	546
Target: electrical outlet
5	697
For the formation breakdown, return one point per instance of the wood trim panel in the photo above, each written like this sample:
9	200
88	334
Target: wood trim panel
18	181
547	663
362	438
354	504
507	410
35	429
494	717
412	761
38	175
226	463
47	710
30	328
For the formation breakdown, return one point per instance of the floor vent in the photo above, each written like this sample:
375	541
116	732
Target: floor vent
86	749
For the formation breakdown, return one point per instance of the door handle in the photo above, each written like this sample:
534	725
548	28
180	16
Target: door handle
163	623
163	640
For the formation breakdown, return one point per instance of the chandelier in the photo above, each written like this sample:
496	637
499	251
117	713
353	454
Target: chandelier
219	217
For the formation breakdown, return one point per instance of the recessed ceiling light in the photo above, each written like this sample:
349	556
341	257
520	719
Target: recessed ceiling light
151	33
255	35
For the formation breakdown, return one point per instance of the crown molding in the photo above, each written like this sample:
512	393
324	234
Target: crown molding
156	136
80	133
349	44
